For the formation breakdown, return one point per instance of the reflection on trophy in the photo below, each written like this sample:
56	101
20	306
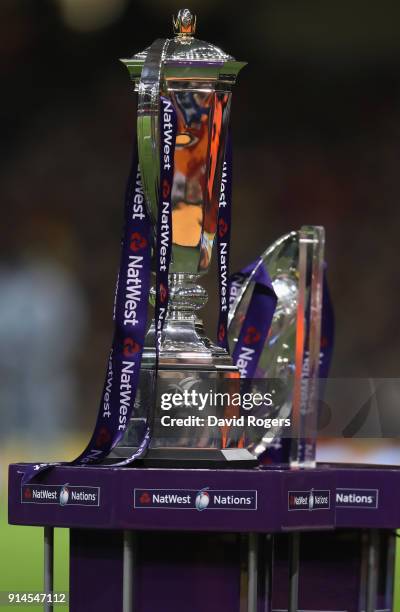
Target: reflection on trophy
197	78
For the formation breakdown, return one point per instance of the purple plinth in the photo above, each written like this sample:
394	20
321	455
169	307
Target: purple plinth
126	498
270	500
189	547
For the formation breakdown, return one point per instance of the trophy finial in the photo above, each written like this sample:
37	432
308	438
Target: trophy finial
184	23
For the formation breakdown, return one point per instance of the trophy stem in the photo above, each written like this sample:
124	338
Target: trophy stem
186	297
183	340
183	335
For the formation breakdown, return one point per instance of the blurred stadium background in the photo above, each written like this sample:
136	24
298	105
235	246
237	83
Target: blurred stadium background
316	126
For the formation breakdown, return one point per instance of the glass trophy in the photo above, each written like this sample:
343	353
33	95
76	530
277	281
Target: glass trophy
289	362
308	346
197	78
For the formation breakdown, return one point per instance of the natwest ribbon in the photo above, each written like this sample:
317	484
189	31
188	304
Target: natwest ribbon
262	306
223	246
130	306
130	318
258	319
168	128
259	315
163	248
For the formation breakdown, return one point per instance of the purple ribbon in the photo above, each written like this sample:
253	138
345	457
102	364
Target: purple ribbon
163	247
263	302
258	319
130	307
223	246
130	318
168	128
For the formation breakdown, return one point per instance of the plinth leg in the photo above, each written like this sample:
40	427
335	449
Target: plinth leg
372	570
259	566
269	568
128	571
390	539
253	573
294	550
48	565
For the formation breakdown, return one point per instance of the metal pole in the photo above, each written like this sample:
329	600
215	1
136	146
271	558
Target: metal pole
269	568
294	550
390	558
253	573
128	571
48	584
372	570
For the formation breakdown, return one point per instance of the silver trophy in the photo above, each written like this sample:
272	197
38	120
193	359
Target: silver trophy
198	78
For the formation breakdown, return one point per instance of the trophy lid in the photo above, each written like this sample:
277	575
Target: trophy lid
184	51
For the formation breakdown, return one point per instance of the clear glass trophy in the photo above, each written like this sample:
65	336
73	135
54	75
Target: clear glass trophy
308	346
289	362
197	78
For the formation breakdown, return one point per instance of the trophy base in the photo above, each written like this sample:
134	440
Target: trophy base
193	458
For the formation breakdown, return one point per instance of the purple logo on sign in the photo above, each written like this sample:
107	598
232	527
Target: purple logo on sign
357	498
309	500
192	499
